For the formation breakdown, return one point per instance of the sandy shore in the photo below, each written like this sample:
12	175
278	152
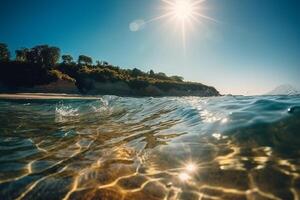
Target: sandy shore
44	96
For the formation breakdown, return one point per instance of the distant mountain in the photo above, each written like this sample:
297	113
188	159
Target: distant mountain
284	90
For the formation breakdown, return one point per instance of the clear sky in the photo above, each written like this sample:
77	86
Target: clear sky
254	46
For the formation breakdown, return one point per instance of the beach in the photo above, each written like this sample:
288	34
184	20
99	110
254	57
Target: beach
44	96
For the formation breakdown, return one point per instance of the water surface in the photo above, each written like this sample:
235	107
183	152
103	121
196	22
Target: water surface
151	148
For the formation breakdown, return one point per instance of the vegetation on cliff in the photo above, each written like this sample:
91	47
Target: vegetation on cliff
40	65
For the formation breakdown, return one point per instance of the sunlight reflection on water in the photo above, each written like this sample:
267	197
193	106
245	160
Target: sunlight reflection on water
150	148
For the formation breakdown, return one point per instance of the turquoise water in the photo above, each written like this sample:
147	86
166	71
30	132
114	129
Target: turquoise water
151	148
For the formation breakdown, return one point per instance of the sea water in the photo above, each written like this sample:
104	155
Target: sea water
230	147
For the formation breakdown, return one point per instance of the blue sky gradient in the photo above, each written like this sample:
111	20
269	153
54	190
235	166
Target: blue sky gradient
253	48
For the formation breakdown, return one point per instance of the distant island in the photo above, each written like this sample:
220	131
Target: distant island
38	69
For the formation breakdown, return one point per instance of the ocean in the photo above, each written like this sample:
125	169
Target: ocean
229	147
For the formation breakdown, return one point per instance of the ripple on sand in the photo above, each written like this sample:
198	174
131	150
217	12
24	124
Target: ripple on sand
271	180
99	194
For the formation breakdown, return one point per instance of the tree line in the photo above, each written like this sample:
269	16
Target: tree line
44	64
41	54
49	56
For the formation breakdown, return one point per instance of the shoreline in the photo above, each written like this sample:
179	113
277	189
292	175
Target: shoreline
40	95
12	96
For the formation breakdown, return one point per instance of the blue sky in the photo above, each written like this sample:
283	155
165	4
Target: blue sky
254	47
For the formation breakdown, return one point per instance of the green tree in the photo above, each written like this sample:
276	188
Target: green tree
50	56
67	59
151	73
177	78
98	63
161	76
43	55
4	52
36	54
21	54
85	60
136	72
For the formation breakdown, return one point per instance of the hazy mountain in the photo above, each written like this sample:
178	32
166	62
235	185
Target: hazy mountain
284	90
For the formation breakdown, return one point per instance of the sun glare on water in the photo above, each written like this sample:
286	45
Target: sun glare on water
191	167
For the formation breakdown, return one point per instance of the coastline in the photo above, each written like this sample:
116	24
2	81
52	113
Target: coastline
55	96
7	96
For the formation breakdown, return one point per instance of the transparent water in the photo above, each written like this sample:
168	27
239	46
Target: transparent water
151	148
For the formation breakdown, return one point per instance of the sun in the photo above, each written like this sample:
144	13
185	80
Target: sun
183	9
186	14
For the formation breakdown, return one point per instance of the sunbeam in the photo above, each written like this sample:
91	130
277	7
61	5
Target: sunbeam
186	13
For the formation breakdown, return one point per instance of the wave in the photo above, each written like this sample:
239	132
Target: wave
139	148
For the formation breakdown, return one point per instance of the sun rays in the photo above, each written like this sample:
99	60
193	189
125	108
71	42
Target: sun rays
182	10
185	13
